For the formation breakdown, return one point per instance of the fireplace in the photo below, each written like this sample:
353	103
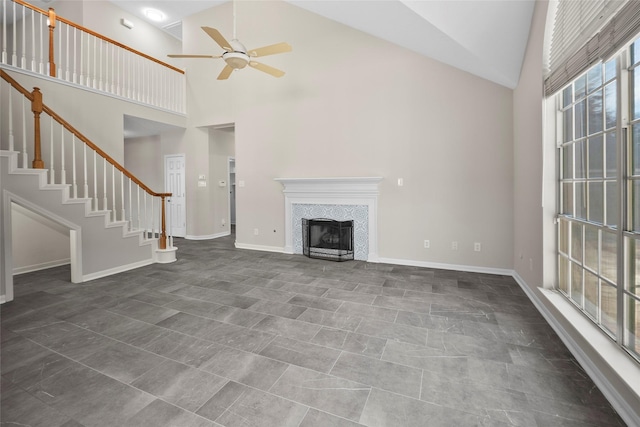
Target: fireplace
342	199
327	239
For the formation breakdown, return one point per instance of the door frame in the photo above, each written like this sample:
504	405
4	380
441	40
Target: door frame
229	160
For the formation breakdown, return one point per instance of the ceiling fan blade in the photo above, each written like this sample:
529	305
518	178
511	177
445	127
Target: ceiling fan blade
225	73
271	50
193	56
219	38
266	69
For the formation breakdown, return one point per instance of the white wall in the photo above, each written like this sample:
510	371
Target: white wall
38	242
354	105
142	157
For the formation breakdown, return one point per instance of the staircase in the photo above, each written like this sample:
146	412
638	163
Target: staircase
115	221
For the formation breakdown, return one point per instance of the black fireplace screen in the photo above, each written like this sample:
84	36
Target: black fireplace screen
327	239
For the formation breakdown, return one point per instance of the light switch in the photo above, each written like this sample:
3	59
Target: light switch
222	183
202	183
202	177
241	183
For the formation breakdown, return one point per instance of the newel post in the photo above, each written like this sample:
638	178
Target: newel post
52	27
162	241
36	107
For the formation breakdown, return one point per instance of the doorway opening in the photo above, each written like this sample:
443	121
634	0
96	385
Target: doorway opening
232	195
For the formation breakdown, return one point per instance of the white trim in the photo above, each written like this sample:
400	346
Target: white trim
165	256
262	248
116	270
41	266
332	191
619	361
208	236
441	266
75	238
95	91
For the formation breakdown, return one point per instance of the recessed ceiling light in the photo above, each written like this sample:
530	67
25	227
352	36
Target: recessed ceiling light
154	15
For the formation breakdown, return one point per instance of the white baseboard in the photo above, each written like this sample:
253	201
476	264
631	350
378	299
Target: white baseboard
208	236
115	270
622	363
277	249
41	266
441	266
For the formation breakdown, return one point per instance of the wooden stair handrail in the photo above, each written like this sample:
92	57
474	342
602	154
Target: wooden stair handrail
80	136
37	106
55	18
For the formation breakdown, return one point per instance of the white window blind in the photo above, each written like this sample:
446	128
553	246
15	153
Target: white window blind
576	43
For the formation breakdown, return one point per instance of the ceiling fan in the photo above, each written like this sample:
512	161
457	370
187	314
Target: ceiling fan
237	56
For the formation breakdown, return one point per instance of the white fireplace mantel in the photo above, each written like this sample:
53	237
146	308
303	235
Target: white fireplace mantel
333	191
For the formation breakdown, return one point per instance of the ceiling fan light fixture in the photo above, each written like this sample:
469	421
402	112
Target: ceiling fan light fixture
236	60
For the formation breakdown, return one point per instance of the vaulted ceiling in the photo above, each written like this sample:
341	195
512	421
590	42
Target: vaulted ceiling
483	37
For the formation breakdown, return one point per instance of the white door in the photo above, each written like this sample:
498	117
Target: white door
174	183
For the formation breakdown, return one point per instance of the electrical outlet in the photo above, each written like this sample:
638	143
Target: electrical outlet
427	244
256	231
454	246
477	246
400	182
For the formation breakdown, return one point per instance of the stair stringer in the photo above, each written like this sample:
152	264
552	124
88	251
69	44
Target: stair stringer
101	247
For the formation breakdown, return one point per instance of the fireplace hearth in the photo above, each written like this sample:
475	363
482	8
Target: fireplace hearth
327	239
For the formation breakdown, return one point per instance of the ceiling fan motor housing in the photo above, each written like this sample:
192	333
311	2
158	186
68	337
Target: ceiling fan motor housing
238	58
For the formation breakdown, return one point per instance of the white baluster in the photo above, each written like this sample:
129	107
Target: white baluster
33	39
117	77
101	81
63	173
153	219
95	182
82	67
59	73
104	184
146	218
14	54
113	192
11	138
24	135
170	231
74	185
138	206
123	210
95	62
42	66
130	206
52	176
4	31
84	172
24	37
68	56
75	55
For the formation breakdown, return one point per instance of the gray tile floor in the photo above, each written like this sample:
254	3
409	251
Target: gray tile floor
227	337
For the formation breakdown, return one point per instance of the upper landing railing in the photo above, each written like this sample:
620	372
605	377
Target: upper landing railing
39	41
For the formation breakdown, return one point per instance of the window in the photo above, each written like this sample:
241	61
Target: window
599	203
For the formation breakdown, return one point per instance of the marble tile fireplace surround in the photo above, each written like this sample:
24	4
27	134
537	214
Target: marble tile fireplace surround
341	199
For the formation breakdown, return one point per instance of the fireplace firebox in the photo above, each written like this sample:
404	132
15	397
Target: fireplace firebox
327	239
